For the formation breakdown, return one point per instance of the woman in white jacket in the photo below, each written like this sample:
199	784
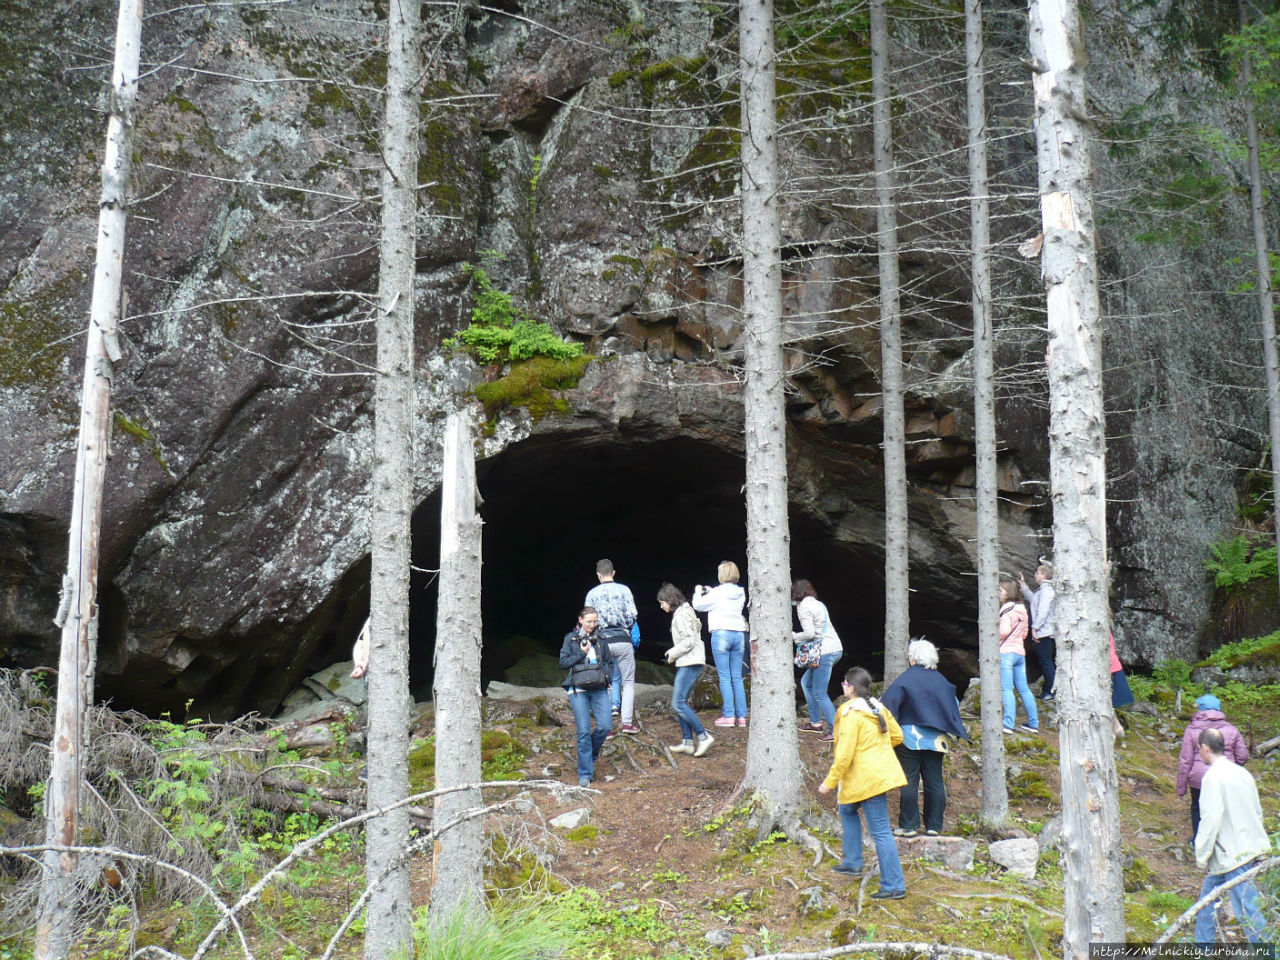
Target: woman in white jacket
815	624
688	656
723	606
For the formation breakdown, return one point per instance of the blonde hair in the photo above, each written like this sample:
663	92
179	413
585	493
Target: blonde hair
727	572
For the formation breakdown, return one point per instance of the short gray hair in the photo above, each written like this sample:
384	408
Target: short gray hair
923	653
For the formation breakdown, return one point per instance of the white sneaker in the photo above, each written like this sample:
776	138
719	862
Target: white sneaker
685	747
704	744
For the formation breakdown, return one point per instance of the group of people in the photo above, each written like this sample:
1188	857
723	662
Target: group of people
602	646
1018	625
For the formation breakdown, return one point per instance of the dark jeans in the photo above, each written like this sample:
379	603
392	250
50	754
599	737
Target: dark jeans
1045	653
691	727
589	704
921	765
1195	813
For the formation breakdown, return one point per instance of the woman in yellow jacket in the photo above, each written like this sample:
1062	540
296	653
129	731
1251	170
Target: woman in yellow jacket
865	769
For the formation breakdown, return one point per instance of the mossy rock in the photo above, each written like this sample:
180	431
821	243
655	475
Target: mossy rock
585	834
1137	875
536	384
1029	785
539	670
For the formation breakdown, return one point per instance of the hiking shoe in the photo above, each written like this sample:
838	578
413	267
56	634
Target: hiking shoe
610	735
827	738
902	832
1046	697
704	744
811	727
685	747
726	722
1027	728
584	781
629	728
886	895
616	711
847	871
933	833
1008	731
742	721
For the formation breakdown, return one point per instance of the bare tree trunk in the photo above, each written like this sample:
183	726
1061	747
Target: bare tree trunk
1077	473
459	853
773	749
1266	306
897	618
995	795
387	931
78	613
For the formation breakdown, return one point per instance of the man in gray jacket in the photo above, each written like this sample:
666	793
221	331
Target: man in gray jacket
1040	606
617	609
1231	837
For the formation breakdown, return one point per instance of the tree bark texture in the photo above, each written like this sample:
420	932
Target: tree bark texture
1077	472
387	931
459	853
995	794
773	748
78	614
1266	303
897	619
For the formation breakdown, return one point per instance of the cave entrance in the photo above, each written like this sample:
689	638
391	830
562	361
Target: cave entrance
663	510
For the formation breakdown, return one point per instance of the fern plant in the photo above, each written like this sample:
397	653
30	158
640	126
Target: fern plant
501	329
1239	560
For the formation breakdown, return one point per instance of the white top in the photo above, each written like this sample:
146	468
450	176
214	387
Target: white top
1231	831
723	607
815	623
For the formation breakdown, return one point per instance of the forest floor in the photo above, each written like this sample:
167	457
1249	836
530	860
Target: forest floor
666	851
666	866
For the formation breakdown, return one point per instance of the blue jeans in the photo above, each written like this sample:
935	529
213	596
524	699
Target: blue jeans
814	685
1244	904
876	810
727	647
690	726
1013	673
587	704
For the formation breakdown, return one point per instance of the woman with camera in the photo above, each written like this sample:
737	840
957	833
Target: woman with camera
590	667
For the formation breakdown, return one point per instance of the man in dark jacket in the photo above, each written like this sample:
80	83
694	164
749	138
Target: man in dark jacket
924	703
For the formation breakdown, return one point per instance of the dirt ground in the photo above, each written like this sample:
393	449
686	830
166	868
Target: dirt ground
667	841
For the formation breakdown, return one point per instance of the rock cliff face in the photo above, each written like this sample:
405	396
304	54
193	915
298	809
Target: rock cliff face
592	145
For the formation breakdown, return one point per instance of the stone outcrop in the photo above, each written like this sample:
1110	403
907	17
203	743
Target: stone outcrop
592	145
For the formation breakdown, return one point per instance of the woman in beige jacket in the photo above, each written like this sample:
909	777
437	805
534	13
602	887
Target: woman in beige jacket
689	657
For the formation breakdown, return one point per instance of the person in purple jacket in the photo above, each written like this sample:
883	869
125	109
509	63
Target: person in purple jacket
1191	767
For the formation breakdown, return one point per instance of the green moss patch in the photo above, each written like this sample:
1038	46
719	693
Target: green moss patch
535	384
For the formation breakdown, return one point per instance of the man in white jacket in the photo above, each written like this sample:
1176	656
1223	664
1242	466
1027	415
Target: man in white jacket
1231	837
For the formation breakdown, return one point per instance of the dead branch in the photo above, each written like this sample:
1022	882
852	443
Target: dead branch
909	951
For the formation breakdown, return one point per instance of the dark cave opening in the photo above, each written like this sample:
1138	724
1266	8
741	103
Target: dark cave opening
666	510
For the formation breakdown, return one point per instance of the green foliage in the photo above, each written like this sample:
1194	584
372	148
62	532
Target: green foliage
501	330
1137	875
500	933
1255	651
596	925
183	797
501	756
1235	562
1168	900
534	384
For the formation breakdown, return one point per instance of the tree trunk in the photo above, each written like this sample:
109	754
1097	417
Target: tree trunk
459	852
78	613
1266	306
897	620
387	931
1077	474
773	748
995	795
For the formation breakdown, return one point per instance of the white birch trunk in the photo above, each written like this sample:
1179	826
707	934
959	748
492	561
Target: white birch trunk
995	794
459	853
1094	907
897	620
78	614
1266	305
773	749
387	930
